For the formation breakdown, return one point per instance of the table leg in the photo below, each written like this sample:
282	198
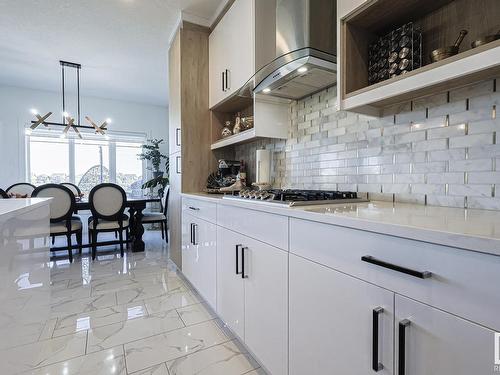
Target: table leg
138	243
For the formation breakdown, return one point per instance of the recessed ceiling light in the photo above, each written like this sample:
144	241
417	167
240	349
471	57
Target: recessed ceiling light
266	90
302	69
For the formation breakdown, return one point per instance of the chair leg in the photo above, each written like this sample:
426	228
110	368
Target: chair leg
127	236
53	239
120	233
162	231
79	240
94	245
70	249
116	234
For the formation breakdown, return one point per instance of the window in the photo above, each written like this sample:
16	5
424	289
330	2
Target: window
49	160
91	164
128	167
86	162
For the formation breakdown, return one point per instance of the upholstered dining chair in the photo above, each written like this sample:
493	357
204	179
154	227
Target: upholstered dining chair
22	188
3	194
107	205
159	217
62	207
74	188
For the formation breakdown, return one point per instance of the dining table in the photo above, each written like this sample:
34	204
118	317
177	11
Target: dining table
136	206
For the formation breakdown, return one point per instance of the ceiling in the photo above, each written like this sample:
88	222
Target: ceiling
121	44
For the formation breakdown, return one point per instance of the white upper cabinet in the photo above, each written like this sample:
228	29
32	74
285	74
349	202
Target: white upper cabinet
345	7
232	51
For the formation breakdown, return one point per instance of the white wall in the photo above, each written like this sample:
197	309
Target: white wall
15	105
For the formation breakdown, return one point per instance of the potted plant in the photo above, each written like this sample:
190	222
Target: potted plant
159	181
151	152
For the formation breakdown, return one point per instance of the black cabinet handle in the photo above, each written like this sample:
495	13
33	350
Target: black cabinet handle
177	138
192	241
193	208
243	276
195	234
227	80
237	249
402	346
223	83
395	267
177	160
376	365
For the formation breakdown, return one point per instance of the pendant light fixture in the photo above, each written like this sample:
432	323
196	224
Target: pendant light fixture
68	122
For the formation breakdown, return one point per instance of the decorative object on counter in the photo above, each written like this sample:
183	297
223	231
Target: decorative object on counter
151	153
237	124
226	175
237	186
246	123
159	182
398	52
226	130
485	40
445	52
263	167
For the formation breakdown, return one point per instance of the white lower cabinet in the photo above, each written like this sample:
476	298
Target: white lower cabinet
337	322
431	341
199	254
252	298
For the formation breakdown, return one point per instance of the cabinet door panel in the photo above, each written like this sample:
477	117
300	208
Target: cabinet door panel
266	304
199	239
440	343
331	322
230	297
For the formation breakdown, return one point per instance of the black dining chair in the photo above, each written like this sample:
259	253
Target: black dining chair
3	194
21	188
62	207
74	188
159	217
107	205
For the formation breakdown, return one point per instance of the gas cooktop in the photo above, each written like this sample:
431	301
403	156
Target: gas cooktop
295	197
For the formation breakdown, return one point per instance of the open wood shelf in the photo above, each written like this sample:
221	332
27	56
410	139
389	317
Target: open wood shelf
440	21
235	139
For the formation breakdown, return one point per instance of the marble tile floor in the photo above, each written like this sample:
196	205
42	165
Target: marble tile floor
131	315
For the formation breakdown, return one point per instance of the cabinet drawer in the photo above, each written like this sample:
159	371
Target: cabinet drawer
265	227
200	209
462	282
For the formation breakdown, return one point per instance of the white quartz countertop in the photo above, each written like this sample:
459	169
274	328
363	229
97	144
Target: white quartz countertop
20	205
470	229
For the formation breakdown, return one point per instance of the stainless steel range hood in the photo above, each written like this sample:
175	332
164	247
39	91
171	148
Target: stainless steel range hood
306	62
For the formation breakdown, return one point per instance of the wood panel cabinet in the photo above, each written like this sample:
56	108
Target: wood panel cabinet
337	322
252	296
191	160
231	51
199	253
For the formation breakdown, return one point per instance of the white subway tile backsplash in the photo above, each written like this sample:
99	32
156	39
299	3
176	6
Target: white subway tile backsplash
471	165
439	150
471	140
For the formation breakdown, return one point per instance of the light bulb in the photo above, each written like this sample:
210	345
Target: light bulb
109	121
302	69
266	90
65	114
34	111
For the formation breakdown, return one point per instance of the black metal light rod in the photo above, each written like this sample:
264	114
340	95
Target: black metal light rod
64	125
